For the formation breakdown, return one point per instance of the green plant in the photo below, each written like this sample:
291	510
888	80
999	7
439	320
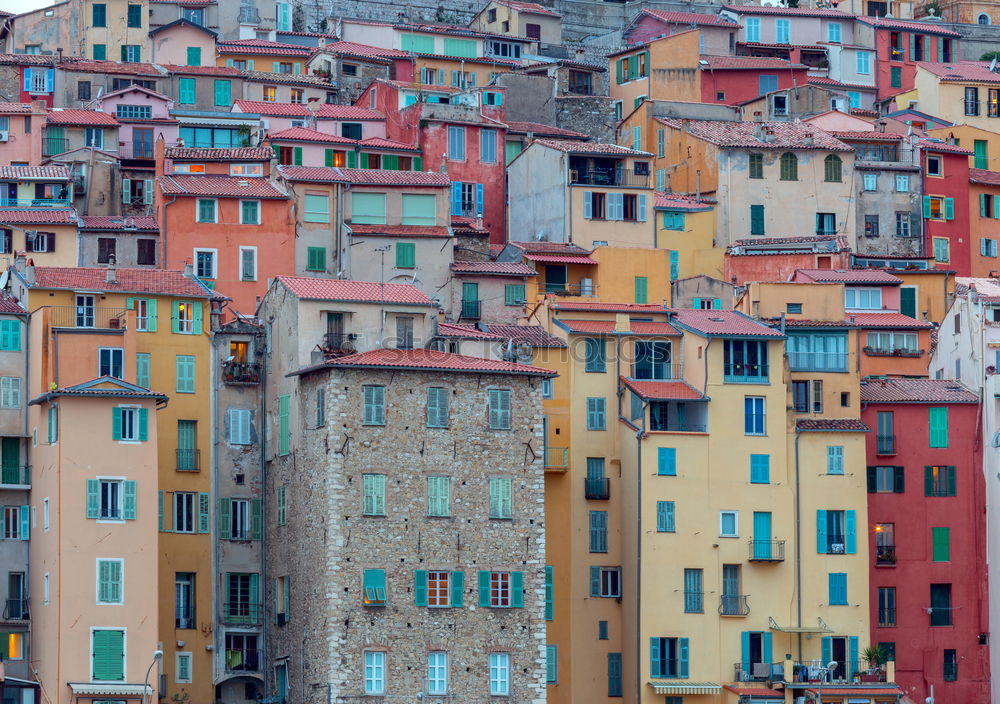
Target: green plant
990	55
875	655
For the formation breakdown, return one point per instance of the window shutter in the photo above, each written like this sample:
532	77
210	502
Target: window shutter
484	588
588	205
666	461
420	587
143	424
745	653
851	528
549	601
108	655
940	544
116	423
835	459
927	206
872	480
654	657
93	498
949	208
928	481
897	480
938	419
328	158
129	500
641	214
203	512
225	518
457	588
456	198
595	581
683	656
25	523
159	511
479	200
618	71
982	205
821	532
951	481
517	590
284	439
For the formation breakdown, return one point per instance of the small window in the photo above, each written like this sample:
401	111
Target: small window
729	524
793	308
934	166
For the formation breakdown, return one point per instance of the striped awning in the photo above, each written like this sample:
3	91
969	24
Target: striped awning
685	687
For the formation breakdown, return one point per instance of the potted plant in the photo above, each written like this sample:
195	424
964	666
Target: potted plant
876	657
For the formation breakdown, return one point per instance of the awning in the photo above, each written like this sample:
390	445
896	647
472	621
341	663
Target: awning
685	687
559	259
821	627
222	121
125	690
855	691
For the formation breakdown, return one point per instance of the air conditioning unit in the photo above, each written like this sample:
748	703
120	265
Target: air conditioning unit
4	135
265	124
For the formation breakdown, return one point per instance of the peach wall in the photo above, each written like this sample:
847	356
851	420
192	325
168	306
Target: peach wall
170	46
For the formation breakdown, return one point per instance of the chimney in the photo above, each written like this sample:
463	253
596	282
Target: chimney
880	126
622	323
758	116
810	140
111	274
188	270
20	260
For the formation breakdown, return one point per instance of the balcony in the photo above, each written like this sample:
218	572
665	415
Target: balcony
622	178
815	671
745	373
470	309
767	550
644	370
597	488
734	605
35	203
242	660
16	610
886	617
557	458
896	352
885	555
142	152
582	288
188	460
241	373
87	317
338	344
756	671
885	445
15	477
241	613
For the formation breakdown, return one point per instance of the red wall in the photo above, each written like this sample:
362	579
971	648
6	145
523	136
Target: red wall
919	647
743	84
884	63
955	185
778	267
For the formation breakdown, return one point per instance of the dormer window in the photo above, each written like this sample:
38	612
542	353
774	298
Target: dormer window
863	298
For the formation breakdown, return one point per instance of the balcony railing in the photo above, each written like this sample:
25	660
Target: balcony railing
35	203
940	615
597	488
135	151
15	476
745	373
657	371
895	352
87	317
835	544
188	460
609	177
16	610
338	344
671	425
885	555
756	671
816	671
242	660
767	550
885	445
470	309
241	373
886	617
54	145
556	458
241	613
567	289
734	605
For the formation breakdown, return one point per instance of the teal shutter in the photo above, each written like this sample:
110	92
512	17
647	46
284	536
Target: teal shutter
821	534
284	428
927	206
129	500
852	651
982	205
756	219
159	500
851	527
255	596
938	418
142	369
25	523
683	650
151	315
595	581
549	603
666	461
297	156
767	647
108	655
835	459
665	517
484	588
745	653
614	674
373	588
175	318
654	657
949	208
837	588
675	265
203	512
951	481
225	518
93	498
457	588
196	327
116	424
143	424
760	469
420	587
517	590
827	649
256	519
641	289
10	334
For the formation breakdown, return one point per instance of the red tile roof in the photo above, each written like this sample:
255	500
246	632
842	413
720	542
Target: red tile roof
574	147
966	71
532	7
80	117
166	282
851	276
607	327
567	248
663	390
781	135
39	216
33	173
610	307
513	269
869	135
355	291
219	153
886	320
304	134
10	305
691	18
364	177
938	146
787	11
537	128
7	108
531	335
559	259
219	187
382	143
850	425
721	323
671	201
262	46
401	230
989	178
33	59
227	71
133	69
925	27
364	50
288	79
330	112
432	360
468	331
915	391
746	63
114	222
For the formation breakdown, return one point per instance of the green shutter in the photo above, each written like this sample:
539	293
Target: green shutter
116	423
949	208
328	158
109	655
93	498
284	427
352	159
641	289
420	587
193	56
256	519
10	335
406	255
204	518
618	71
940	541
159	500
316	259
143	424
297	156
364	160
457	588
225	518
129	500
142	369
151	315
938	417
484	588
549	602
517	590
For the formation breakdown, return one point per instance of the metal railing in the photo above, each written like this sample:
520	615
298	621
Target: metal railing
835	544
188	460
338	344
135	151
767	550
16	610
241	373
609	177
755	671
567	289
87	317
734	605
885	445
242	659
15	476
597	488
658	371
54	145
886	617
885	555
241	613
35	203
737	373
556	458
672	426
845	670
470	309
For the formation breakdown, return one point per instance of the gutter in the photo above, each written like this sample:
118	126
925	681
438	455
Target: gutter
798	548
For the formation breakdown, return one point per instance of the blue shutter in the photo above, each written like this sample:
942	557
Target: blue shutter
852	650
851	526
457	587
767	647
479	200
25	523
595	581
674	265
517	590
666	461
745	653
837	587
821	536
684	657
27	80
549	601
827	649
760	469
588	205
654	657
456	198
129	500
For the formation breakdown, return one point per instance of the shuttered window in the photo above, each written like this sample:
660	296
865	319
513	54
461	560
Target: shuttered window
938	417
614	674
941	544
108	655
666	461
10	335
549	593
838	588
498	402
665	522
594	354
368	208
374	494
110	581
374	405
500	497
437	407
760	469
598	531
439	496
185	374
835	459
284	425
406	255
596	414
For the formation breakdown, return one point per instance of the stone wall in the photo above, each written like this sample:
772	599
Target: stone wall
327	542
594	115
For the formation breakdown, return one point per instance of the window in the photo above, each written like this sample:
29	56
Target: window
185	374
250	212
111	362
546	388
15	523
833	32
368	208
903	225
456	143
406	255
756	165
373	491
668	658
789	167
892	342
939	481
665	517
836	532
832	169
467	199
673	221
184	516
437	673
871	225
971	100
487	146
134	112
756	219
938	422
826	224
934	167
108	659
129	424
94	137
500	497
316	259
195	15
439	496
950	655
895	77
605	582
596	414
870	182
135	15
744	361
106	250
248	263
207	210
110	581
940	607
499	674
10	392
598	531
374	405
863	298
437	407
834	459
782	31
753	29
760	469
729	524
514	294
942	248
239	426
837	595
145	252
100	52
941	544
374	672
753	415
498	407
316	208
886	607
99	15
419	209
205	263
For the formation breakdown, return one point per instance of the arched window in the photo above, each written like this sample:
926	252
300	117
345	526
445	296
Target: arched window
984	19
832	169
789	167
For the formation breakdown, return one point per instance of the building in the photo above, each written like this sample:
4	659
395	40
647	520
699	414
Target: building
900	45
116	31
945	169
22	124
962	92
770	258
107	240
927	535
514	18
262	55
717	32
686	227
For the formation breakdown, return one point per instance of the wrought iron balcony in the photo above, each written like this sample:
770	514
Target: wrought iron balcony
734	605
745	373
885	445
597	488
15	476
188	460
338	344
756	671
886	617
241	373
242	660
16	610
241	613
35	203
87	317
556	458
470	309
767	550
620	177
885	555
142	152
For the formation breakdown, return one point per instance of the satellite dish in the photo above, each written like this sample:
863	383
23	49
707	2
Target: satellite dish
4	278
993	65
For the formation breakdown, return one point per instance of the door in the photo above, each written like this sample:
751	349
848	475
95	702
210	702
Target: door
85	311
839	655
10	460
555	278
762	535
980	156
908	301
187	454
730	589
142	142
16	606
470	300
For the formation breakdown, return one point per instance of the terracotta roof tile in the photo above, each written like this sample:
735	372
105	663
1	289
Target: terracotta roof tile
382	143
113	222
610	307
915	391
356	291
551	248
686	18
869	135
166	282
574	147
227	71
537	128
132	69
374	177
532	335
886	320
559	259
262	46
787	11
7	108
890	23
433	360
10	305
663	390
39	216
532	7
467	331
783	135
850	276
493	269
607	327
364	50
990	178
833	425
401	230
32	59
80	117
30	173
671	201
721	323
330	112
939	146
746	63
219	153
288	79
219	186
969	71
304	134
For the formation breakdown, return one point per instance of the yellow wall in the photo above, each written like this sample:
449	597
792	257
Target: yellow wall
621	233
483	70
967	135
695	244
934	291
673	72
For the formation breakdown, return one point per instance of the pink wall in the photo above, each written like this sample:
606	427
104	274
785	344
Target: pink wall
170	46
160	112
743	84
24	146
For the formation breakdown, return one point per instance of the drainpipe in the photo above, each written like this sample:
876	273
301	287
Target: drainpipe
798	548
264	351
638	561
163	234
214	384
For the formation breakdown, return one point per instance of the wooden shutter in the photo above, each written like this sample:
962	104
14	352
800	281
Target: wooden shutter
683	656
938	420
256	519
851	529
484	588
760	469
457	587
898	480
654	657
821	532
129	499
666	461
116	423
615	674
204	504
225	518
108	655
284	428
420	587
595	580
598	531
517	590
143	424
940	542
549	600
